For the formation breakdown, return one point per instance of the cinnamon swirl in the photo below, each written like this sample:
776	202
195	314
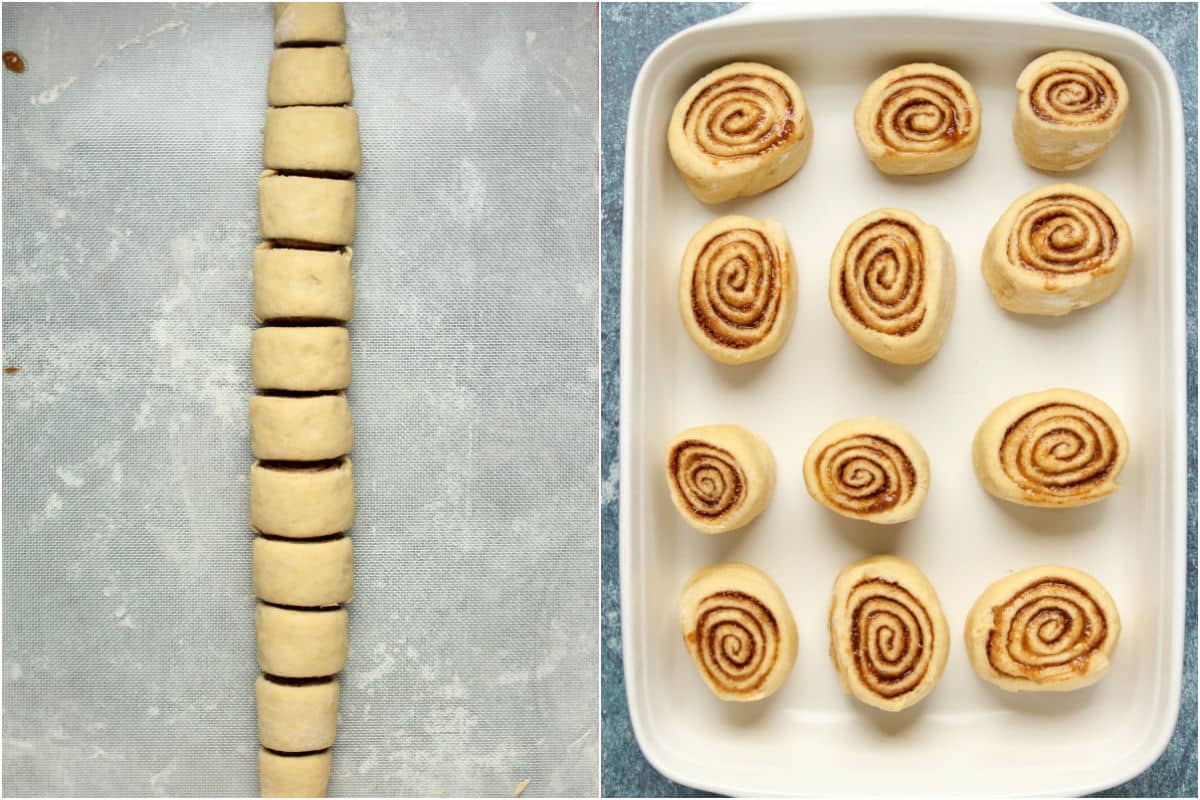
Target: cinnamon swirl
888	636
739	629
1070	105
869	469
1057	249
737	289
739	131
891	285
917	119
1057	448
721	476
1043	629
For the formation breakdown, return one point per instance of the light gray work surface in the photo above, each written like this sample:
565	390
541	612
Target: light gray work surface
132	147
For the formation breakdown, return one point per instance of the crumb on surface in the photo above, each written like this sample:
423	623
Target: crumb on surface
11	370
521	787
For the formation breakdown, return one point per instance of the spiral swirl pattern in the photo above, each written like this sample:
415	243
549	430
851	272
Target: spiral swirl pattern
709	478
891	635
740	116
883	277
1059	449
865	475
737	640
1073	93
738	288
1062	234
1047	631
923	113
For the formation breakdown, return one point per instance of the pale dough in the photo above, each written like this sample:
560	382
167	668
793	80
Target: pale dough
720	476
1070	105
302	502
292	284
1043	629
1057	448
282	775
300	359
1057	249
303	209
312	139
892	285
297	718
718	154
918	119
310	76
303	573
887	634
737	289
300	428
738	627
301	643
870	469
308	23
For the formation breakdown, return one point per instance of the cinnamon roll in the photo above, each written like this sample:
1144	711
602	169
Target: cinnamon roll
888	636
721	476
1057	249
739	629
1055	449
1070	105
917	119
869	469
891	285
1043	629
737	289
739	131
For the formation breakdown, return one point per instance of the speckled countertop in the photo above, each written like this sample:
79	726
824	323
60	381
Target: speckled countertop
630	32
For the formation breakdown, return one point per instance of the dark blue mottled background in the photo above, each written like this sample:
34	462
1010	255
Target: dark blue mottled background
630	32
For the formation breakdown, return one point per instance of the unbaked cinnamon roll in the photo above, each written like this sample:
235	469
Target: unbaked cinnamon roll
721	476
737	289
739	131
891	285
917	119
888	636
1070	105
739	629
1044	629
1056	449
1057	249
869	469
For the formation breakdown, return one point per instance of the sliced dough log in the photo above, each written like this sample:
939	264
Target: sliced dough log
304	573
297	717
313	359
301	643
310	76
309	23
292	284
299	209
302	502
300	428
312	139
281	775
720	476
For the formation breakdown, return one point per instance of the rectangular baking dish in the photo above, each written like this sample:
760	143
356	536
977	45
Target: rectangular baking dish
966	738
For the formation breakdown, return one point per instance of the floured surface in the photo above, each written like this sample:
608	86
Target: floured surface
132	150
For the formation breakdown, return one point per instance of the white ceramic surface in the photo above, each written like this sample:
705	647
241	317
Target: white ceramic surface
967	737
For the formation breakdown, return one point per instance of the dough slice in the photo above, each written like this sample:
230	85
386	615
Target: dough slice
312	139
304	573
740	631
302	502
282	775
297	716
919	119
310	359
1070	105
1057	448
892	285
1043	629
869	469
309	23
300	428
720	476
888	636
297	209
739	131
301	643
310	76
302	285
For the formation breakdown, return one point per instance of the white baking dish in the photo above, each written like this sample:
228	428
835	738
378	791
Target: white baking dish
966	738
